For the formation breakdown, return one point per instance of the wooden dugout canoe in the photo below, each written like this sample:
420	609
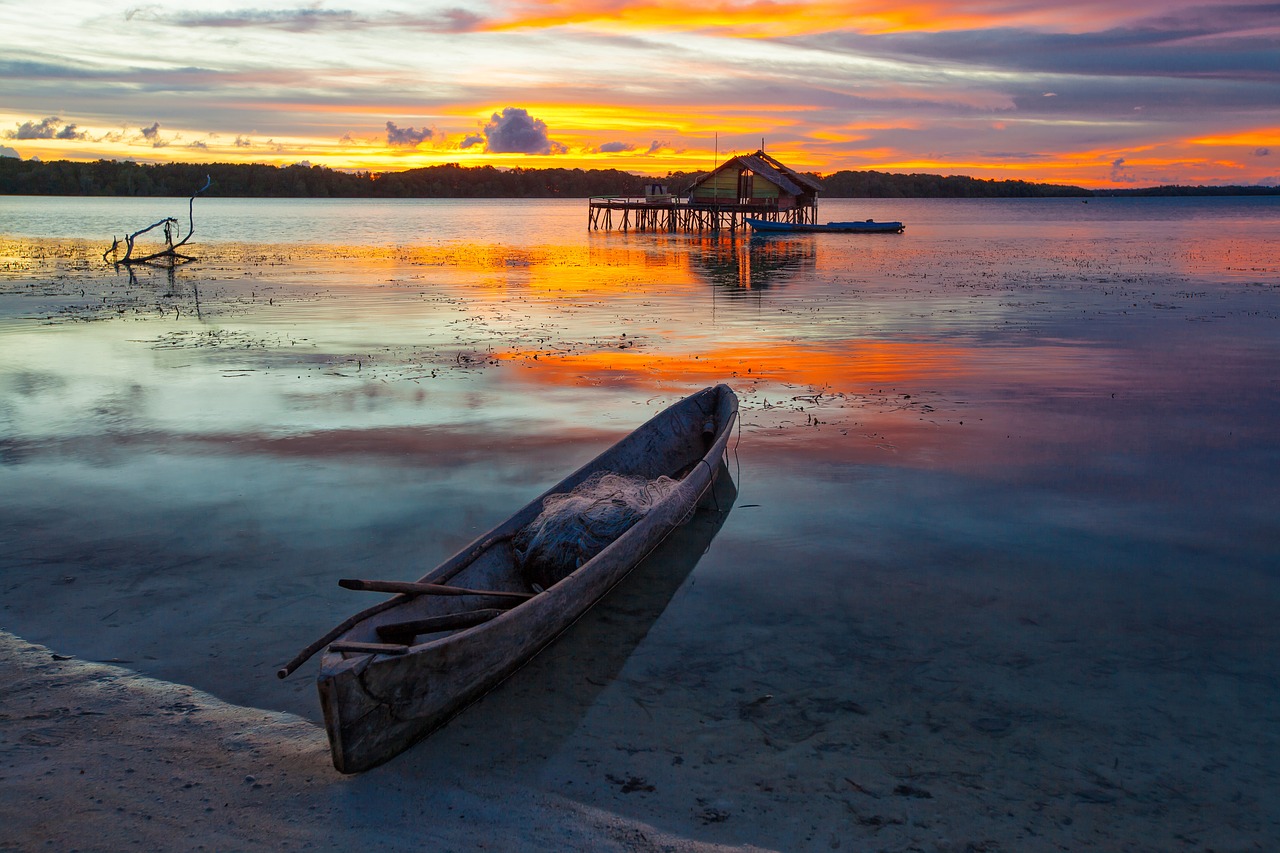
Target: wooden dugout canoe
379	699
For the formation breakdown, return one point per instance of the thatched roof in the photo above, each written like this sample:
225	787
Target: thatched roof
786	178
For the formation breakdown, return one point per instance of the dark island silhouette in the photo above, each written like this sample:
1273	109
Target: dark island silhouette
452	180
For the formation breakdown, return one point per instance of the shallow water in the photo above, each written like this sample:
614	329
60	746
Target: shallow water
1006	483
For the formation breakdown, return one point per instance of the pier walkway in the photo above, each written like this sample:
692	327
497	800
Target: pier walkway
606	213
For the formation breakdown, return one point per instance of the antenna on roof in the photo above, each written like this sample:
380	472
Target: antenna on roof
762	145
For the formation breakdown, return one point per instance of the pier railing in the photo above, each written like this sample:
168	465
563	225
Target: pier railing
658	213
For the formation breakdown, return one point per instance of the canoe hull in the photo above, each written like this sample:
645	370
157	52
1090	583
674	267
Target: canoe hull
763	226
375	706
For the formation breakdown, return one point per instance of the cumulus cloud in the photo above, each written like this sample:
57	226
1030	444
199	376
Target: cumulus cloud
243	142
6	151
472	140
514	131
46	128
616	147
1262	152
152	135
407	137
656	146
1119	174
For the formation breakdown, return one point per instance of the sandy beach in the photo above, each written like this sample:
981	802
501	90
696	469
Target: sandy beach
97	757
996	570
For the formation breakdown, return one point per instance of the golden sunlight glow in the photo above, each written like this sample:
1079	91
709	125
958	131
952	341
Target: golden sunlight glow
559	270
841	366
986	89
749	20
1259	138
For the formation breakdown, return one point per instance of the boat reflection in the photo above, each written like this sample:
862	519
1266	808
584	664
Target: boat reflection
545	702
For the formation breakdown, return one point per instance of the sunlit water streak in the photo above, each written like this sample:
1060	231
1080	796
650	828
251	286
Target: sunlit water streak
1007	482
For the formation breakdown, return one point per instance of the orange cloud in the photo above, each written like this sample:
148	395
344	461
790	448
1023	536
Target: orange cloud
1261	137
759	18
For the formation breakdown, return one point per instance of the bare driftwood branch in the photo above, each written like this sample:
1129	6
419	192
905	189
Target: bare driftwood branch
172	228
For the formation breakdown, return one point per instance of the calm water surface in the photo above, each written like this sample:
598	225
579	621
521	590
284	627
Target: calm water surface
1006	490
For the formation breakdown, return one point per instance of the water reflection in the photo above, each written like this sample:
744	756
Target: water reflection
959	450
542	704
743	263
206	559
833	368
175	293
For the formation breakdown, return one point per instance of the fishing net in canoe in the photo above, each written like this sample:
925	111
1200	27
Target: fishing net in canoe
575	526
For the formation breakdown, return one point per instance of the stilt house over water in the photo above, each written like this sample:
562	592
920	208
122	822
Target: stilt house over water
754	185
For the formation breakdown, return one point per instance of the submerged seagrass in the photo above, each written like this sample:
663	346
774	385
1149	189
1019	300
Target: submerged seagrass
410	663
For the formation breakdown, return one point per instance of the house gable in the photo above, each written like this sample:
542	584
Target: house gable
754	177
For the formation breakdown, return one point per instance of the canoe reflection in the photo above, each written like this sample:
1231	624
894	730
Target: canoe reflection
543	703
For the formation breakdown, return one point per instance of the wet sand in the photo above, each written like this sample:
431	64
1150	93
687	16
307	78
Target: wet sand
982	587
97	757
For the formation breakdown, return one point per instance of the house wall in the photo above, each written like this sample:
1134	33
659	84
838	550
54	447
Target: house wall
731	184
760	188
722	185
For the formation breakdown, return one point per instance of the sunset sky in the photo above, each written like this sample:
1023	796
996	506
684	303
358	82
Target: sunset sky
1083	92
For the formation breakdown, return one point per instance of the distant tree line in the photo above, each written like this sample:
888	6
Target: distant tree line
848	184
127	178
1190	191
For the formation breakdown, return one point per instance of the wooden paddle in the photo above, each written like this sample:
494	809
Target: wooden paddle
369	648
402	587
416	588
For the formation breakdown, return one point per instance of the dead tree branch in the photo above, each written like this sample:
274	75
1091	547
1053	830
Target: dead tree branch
171	229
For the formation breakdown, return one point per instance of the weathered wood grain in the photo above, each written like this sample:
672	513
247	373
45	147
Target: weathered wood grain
375	706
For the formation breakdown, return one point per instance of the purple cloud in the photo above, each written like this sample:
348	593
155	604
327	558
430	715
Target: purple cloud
46	128
407	137
152	135
514	131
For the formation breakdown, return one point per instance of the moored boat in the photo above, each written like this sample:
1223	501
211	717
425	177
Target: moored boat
869	226
397	671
